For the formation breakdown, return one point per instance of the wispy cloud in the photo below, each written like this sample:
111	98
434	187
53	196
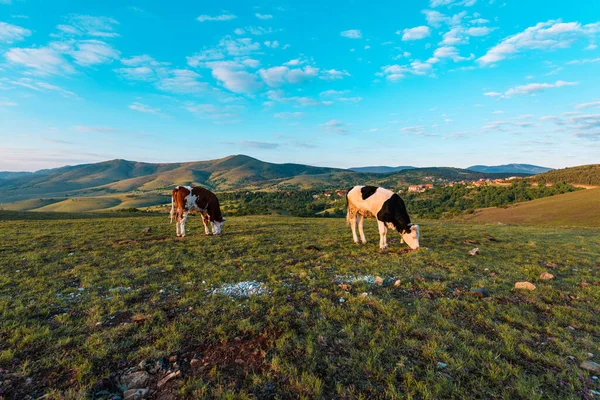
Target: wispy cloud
352	34
88	25
143	108
7	103
550	35
529	89
335	126
450	3
94	129
289	115
593	104
12	33
263	16
41	86
221	17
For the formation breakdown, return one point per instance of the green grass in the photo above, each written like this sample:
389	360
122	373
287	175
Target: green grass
581	208
147	295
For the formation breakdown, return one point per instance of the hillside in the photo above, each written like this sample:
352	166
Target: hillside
581	208
380	169
582	175
238	172
518	169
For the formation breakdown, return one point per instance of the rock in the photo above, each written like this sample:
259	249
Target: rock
173	359
342	299
378	280
474	252
147	229
136	380
397	283
135	394
441	365
479	292
469	241
167	378
590	366
525	285
194	362
551	265
546	276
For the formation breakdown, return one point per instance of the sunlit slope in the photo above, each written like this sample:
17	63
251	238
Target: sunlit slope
581	209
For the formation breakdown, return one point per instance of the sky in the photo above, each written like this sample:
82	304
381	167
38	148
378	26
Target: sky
335	83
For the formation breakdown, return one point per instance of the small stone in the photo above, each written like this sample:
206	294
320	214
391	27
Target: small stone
474	252
479	292
525	285
570	328
71	254
364	294
147	229
551	265
378	280
135	394
194	362
167	378
136	380
594	378
441	365
173	359
546	276
590	366
590	355
342	299
397	283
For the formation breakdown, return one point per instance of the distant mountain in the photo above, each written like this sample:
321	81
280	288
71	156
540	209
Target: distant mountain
116	178
510	169
13	175
380	169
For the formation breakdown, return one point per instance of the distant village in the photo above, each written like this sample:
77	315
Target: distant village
423	187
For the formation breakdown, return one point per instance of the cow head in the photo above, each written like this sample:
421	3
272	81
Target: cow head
412	236
217	227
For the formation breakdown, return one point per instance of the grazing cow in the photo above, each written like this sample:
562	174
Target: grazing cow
389	210
186	198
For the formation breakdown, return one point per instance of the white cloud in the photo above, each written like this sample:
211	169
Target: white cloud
40	86
333	74
352	34
44	60
181	81
87	25
87	52
335	126
7	103
12	33
277	76
436	18
419	32
253	30
263	16
498	112
479	31
450	52
237	81
289	115
549	35
143	108
293	63
593	104
214	112
272	44
222	17
529	89
451	3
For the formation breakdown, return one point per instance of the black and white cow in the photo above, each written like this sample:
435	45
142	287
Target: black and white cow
186	198
389	210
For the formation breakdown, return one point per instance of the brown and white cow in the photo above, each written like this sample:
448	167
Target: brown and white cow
389	210
186	198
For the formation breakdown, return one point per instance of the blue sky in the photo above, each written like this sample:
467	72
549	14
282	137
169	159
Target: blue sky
337	83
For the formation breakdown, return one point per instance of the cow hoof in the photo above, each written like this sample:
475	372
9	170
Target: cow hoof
364	242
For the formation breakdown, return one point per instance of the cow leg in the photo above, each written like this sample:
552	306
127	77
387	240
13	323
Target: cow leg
177	225
382	234
361	219
183	219
206	222
353	227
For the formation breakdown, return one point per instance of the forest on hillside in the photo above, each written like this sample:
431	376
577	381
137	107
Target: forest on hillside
583	175
441	201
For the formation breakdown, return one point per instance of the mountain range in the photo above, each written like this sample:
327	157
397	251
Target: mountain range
511	169
116	177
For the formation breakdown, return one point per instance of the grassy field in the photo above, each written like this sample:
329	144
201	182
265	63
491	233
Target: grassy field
84	301
580	208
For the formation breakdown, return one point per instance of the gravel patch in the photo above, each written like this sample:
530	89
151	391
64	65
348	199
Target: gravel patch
242	289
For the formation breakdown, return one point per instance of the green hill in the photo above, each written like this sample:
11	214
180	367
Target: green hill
580	209
238	172
583	175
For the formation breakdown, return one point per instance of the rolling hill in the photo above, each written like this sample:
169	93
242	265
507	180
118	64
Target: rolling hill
49	189
587	175
510	169
580	209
